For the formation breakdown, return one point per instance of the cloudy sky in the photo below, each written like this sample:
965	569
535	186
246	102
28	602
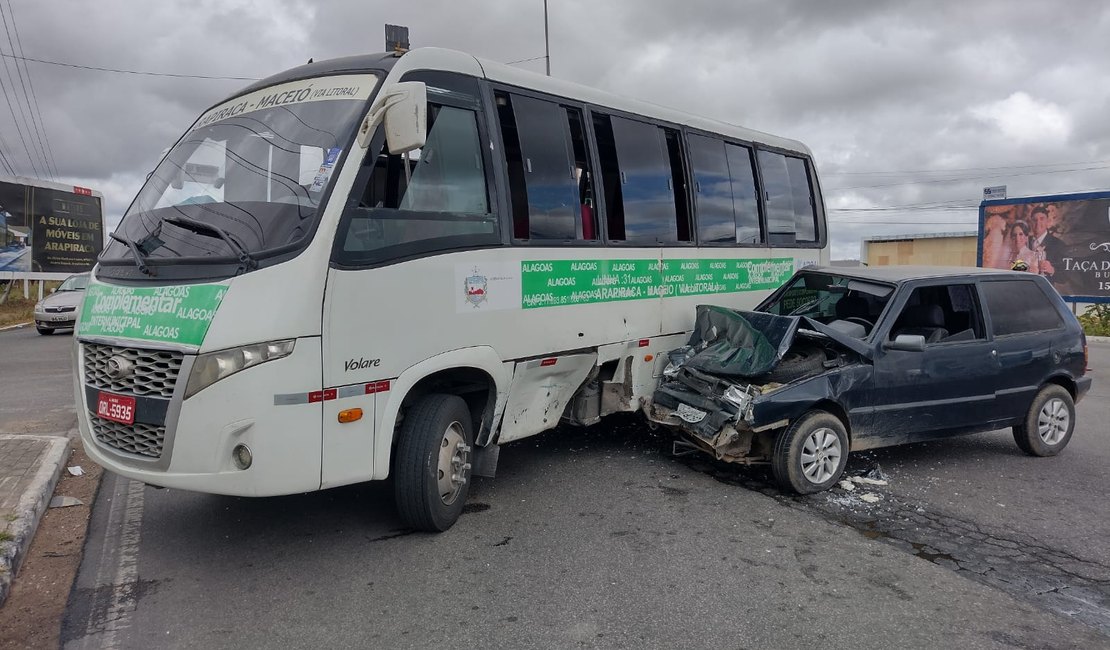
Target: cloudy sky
911	107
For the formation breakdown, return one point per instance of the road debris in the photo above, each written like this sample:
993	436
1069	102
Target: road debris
65	502
847	486
870	497
75	470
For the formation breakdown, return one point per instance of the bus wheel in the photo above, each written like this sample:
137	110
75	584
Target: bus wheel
432	466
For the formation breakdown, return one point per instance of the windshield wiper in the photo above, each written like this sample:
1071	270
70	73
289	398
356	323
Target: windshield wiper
245	260
140	261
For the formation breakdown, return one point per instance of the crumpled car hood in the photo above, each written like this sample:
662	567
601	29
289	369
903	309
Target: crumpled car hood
736	343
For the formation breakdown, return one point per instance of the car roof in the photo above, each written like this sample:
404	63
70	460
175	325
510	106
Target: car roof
897	274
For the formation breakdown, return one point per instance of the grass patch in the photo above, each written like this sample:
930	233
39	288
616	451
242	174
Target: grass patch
5	536
1096	320
17	309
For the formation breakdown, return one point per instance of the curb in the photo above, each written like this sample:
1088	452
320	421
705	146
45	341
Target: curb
1098	339
14	327
29	511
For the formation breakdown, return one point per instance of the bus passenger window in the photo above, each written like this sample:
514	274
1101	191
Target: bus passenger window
546	171
744	199
638	181
788	199
712	190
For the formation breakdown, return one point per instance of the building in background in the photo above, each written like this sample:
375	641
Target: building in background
929	249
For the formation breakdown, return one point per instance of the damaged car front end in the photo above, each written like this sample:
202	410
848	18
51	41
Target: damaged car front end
745	375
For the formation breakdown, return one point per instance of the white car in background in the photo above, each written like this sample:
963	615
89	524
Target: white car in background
59	309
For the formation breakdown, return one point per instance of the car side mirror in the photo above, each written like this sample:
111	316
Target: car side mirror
907	343
403	109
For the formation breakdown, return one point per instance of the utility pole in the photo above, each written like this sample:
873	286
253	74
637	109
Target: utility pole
546	41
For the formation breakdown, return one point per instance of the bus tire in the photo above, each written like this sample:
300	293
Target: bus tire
432	463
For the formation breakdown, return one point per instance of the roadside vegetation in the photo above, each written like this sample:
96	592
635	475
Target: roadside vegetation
1096	320
16	309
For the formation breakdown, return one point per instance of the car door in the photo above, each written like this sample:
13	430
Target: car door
943	389
1024	322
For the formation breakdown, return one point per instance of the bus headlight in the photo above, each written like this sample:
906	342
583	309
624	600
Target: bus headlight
211	367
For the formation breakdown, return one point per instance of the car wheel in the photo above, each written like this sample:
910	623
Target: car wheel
45	331
432	465
1049	424
797	363
811	454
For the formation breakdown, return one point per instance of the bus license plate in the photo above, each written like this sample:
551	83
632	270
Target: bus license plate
117	408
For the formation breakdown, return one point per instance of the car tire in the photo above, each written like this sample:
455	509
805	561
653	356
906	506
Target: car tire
811	454
797	363
1049	423
45	331
432	462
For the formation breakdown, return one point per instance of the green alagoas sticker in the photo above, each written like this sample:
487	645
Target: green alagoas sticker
178	314
551	283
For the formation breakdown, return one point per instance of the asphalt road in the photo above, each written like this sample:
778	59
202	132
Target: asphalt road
597	538
36	389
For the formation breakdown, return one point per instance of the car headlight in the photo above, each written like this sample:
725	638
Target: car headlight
211	367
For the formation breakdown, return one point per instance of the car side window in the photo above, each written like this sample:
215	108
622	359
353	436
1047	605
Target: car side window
1019	306
948	313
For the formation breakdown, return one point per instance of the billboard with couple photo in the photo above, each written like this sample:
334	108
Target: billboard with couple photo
1065	238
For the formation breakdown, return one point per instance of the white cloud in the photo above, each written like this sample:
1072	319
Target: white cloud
1026	121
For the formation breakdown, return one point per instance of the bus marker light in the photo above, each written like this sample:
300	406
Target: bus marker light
548	362
242	456
644	343
350	415
648	357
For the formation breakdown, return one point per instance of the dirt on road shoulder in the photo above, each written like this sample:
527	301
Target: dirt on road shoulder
32	615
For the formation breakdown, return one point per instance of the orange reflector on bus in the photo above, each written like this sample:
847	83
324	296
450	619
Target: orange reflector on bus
648	357
350	415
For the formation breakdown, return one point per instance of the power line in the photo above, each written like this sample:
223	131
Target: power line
962	169
124	71
535	58
969	178
18	128
34	96
33	127
4	157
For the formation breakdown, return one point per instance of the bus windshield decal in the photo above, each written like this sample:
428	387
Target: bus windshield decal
356	87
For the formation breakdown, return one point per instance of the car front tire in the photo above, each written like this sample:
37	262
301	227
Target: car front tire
810	456
1048	424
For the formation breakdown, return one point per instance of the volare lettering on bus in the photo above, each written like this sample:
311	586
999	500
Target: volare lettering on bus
361	363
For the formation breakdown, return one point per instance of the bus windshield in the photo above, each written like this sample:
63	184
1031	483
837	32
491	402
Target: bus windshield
248	177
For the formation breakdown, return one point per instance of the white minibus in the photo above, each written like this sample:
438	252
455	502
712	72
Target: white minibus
389	265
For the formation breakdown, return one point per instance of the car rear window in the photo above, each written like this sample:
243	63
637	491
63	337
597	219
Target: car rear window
1018	306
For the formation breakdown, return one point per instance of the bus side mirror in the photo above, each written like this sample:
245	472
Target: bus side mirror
403	108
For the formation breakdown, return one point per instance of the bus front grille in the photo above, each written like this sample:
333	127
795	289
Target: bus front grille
138	438
145	372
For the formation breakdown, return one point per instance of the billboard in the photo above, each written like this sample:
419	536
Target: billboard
48	228
1065	238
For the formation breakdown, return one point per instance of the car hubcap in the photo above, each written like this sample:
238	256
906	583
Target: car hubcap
1053	421
454	463
821	455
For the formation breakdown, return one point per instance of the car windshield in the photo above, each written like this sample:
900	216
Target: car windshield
826	298
248	177
75	283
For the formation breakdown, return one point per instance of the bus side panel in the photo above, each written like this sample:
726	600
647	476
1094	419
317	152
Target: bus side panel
540	391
